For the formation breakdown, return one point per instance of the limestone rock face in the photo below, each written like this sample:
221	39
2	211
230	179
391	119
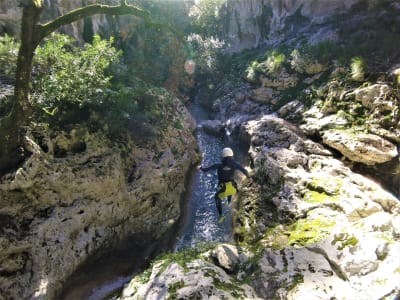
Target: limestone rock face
361	147
79	193
252	23
338	233
343	234
10	16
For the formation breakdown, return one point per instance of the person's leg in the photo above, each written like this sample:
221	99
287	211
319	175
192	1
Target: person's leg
219	195
229	199
218	203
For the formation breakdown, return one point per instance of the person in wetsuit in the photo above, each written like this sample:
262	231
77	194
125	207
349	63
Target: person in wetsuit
227	186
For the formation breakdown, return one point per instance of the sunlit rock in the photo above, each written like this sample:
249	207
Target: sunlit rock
374	96
195	278
291	110
361	147
263	95
79	193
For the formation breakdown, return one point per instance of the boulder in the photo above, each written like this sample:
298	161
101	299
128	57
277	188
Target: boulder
280	81
361	147
213	127
262	95
194	279
374	96
292	110
337	231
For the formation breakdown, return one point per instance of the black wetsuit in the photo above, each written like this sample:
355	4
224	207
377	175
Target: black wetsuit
226	171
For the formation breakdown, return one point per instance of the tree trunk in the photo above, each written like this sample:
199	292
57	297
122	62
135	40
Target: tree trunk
11	138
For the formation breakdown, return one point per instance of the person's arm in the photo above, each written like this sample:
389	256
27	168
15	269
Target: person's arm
241	169
213	167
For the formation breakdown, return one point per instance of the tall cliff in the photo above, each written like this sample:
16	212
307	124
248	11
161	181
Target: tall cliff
256	23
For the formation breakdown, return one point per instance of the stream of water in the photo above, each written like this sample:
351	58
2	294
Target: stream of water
202	216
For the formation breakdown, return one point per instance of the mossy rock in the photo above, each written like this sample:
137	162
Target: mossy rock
301	233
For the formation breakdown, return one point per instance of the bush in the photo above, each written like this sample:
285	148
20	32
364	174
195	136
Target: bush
275	60
358	69
8	55
73	77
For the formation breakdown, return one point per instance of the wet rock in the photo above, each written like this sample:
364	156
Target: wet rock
213	127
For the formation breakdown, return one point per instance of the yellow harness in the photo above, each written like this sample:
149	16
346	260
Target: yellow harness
227	189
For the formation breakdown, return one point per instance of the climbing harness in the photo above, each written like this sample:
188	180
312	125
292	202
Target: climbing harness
226	189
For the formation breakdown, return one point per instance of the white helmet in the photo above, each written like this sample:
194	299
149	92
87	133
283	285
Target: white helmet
227	152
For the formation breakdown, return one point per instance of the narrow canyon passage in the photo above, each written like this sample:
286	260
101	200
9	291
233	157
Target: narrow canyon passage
106	275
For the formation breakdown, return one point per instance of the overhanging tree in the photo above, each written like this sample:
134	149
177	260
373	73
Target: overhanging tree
12	147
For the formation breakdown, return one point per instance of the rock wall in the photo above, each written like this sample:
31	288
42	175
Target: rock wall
79	193
337	233
255	23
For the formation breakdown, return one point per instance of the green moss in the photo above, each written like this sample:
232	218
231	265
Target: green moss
386	237
299	234
144	276
316	197
297	279
380	281
184	256
323	189
345	240
233	288
172	288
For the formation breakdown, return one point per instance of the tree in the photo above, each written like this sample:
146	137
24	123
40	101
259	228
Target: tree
12	146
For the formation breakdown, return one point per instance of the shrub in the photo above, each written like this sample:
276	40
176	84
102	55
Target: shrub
71	77
358	69
8	55
275	60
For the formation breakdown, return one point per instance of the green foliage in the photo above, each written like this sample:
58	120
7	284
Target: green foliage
206	18
345	240
72	77
155	55
275	60
8	55
206	53
144	110
358	69
73	84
